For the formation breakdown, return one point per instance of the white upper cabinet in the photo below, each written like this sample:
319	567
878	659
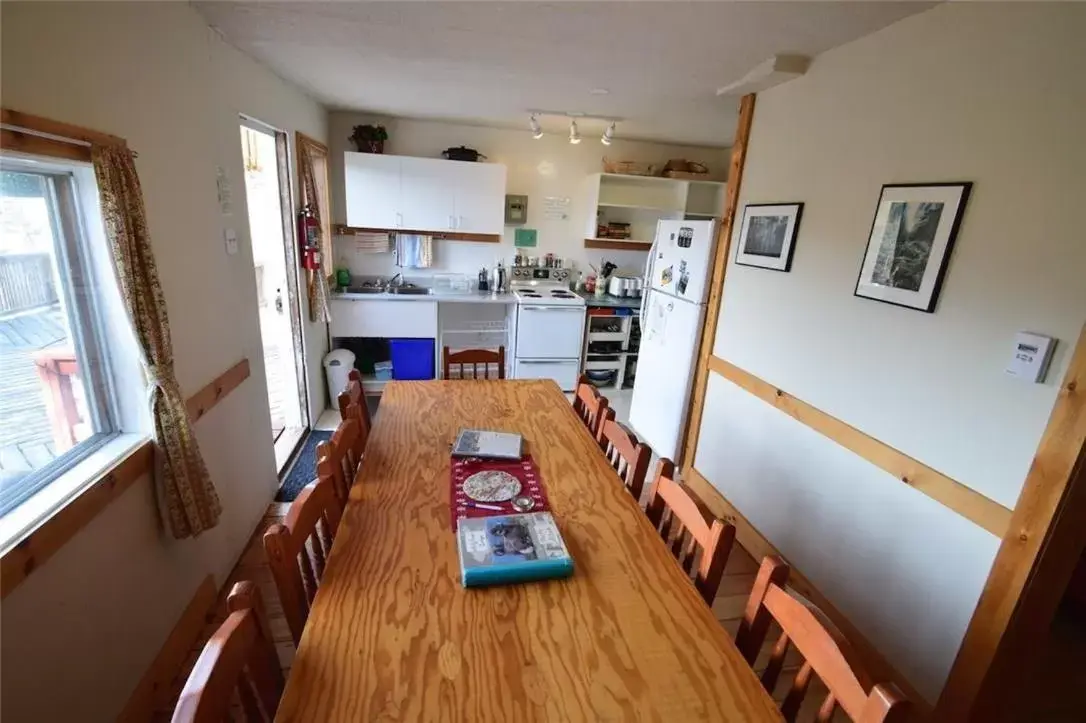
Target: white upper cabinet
424	194
480	197
373	190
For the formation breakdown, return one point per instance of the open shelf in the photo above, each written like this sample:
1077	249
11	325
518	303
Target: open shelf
657	209
343	230
614	243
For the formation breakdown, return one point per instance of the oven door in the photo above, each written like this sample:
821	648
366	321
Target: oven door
563	371
549	332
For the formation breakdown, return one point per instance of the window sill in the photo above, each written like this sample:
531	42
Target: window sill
68	487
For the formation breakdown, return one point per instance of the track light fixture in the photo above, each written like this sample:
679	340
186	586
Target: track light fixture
574	134
608	135
537	130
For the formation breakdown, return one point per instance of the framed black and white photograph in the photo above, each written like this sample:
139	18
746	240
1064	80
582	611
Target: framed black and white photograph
910	243
768	235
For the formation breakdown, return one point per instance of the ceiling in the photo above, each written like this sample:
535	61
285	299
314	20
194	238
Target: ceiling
488	62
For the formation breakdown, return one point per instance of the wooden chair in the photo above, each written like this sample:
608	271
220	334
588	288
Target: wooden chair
354	394
628	456
694	537
822	653
589	405
474	357
298	548
239	656
338	458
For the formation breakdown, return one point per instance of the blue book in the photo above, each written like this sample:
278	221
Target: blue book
511	548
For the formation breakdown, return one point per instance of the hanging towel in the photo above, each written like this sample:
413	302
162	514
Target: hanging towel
414	251
372	243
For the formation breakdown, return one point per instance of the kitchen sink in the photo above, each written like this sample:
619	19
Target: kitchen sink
365	290
411	290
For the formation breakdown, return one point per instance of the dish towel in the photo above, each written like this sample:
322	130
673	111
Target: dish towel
372	243
414	251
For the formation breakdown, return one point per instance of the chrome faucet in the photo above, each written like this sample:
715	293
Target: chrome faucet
392	282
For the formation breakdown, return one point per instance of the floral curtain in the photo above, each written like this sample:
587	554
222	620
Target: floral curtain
317	279
184	486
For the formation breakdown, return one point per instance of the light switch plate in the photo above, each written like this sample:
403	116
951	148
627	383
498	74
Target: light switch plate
231	241
1030	356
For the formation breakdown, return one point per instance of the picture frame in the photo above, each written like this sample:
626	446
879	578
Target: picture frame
910	242
767	236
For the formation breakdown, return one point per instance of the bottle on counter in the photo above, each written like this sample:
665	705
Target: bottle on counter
484	283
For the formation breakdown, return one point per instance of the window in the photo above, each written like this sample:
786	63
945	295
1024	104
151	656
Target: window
57	400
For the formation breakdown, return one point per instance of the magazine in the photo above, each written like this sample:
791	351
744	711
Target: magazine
487	444
511	548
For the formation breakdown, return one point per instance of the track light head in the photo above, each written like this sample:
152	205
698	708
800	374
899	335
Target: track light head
574	134
608	135
537	130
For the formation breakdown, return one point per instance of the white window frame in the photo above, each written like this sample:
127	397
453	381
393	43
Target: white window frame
101	338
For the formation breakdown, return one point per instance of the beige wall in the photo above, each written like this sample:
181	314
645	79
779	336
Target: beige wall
79	633
550	166
993	93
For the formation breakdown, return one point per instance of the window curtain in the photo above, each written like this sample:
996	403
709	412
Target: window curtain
185	491
317	279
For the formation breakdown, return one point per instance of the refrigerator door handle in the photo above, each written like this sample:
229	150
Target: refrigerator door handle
647	285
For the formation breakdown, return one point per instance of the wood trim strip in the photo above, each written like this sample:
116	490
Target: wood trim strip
35	549
154	690
340	229
616	244
18	119
1036	559
13	140
968	503
716	285
202	401
759	548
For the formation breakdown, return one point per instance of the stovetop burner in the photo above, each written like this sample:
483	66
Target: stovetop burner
563	295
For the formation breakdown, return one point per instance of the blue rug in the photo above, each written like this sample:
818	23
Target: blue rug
304	469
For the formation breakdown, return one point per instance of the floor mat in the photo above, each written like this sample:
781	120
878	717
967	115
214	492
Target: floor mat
304	468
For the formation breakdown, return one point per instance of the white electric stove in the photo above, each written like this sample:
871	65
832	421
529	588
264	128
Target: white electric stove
550	326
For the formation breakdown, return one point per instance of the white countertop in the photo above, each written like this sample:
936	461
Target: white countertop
441	297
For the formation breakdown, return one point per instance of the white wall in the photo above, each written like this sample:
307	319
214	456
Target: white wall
78	633
989	93
550	166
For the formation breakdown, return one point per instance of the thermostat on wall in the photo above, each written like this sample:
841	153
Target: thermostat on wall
1032	353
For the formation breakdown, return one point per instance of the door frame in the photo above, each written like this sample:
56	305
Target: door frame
286	445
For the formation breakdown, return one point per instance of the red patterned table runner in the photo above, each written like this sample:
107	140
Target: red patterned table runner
524	470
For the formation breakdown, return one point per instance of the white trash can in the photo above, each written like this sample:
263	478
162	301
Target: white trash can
338	363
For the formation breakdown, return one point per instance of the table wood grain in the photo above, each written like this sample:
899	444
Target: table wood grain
393	636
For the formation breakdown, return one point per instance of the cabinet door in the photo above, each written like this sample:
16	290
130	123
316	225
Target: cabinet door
373	190
480	197
429	194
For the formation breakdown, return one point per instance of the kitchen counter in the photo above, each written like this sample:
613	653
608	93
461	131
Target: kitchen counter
610	302
441	297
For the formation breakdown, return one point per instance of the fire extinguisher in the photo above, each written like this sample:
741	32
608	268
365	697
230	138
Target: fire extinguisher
309	235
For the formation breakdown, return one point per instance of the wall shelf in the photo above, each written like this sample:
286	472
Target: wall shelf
613	243
340	229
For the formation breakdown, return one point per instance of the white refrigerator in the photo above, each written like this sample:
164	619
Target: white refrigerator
677	276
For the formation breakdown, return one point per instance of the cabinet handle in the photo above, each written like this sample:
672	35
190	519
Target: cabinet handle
399	219
452	221
460	222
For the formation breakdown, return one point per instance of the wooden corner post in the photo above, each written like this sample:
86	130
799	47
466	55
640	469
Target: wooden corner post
1031	571
716	284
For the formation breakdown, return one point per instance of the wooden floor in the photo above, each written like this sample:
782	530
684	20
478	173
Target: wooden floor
728	608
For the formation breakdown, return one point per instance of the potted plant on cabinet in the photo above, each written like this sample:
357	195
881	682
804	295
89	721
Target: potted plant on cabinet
369	138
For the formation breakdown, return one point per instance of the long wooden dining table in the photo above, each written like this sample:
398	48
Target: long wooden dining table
393	636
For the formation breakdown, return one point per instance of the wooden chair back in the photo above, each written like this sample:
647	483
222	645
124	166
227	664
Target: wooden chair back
700	542
474	358
338	458
239	656
589	405
821	649
354	394
298	548
628	456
